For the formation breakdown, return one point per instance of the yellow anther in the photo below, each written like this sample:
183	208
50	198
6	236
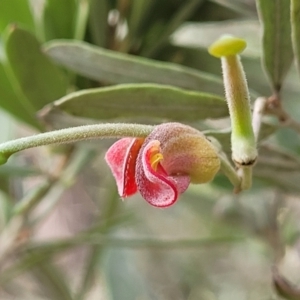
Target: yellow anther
155	159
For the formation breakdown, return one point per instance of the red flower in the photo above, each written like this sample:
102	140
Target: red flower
162	166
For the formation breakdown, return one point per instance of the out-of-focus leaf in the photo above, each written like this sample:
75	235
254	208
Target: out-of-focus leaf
184	12
109	66
110	211
137	11
212	11
82	14
287	180
17	171
52	282
289	139
277	158
59	19
14	102
143	100
295	24
123	275
57	119
208	33
246	8
98	24
12	11
39	79
277	45
5	209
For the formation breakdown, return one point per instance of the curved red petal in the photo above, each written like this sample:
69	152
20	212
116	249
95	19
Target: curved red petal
121	158
157	187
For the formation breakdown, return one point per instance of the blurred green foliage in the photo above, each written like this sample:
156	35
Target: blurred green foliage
65	234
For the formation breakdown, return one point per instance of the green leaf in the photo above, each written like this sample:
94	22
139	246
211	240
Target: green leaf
277	45
143	100
183	12
59	19
245	8
5	209
98	24
52	282
295	23
12	11
138	11
39	79
82	14
14	102
17	171
123	275
277	158
109	66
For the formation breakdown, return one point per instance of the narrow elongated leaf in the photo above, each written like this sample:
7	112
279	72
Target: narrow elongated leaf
53	283
39	79
245	8
5	209
277	45
82	14
12	11
109	66
143	100
98	24
295	22
138	10
59	19
14	102
187	8
17	171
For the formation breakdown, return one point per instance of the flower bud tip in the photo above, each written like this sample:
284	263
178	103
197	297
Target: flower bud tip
227	45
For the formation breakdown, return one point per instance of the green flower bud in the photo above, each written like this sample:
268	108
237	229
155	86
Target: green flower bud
244	152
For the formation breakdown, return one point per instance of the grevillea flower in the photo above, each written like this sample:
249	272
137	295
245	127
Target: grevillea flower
162	166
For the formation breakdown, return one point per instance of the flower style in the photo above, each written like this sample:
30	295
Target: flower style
163	165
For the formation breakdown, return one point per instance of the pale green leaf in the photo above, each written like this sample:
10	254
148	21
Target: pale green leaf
295	23
52	282
277	45
39	79
13	101
98	24
15	11
245	8
110	66
187	8
59	19
143	100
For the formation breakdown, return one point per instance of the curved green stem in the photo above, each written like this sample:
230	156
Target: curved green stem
73	134
226	167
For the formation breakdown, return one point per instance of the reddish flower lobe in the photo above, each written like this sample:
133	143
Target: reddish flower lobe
121	158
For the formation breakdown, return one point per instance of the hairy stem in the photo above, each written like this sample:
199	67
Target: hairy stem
73	134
